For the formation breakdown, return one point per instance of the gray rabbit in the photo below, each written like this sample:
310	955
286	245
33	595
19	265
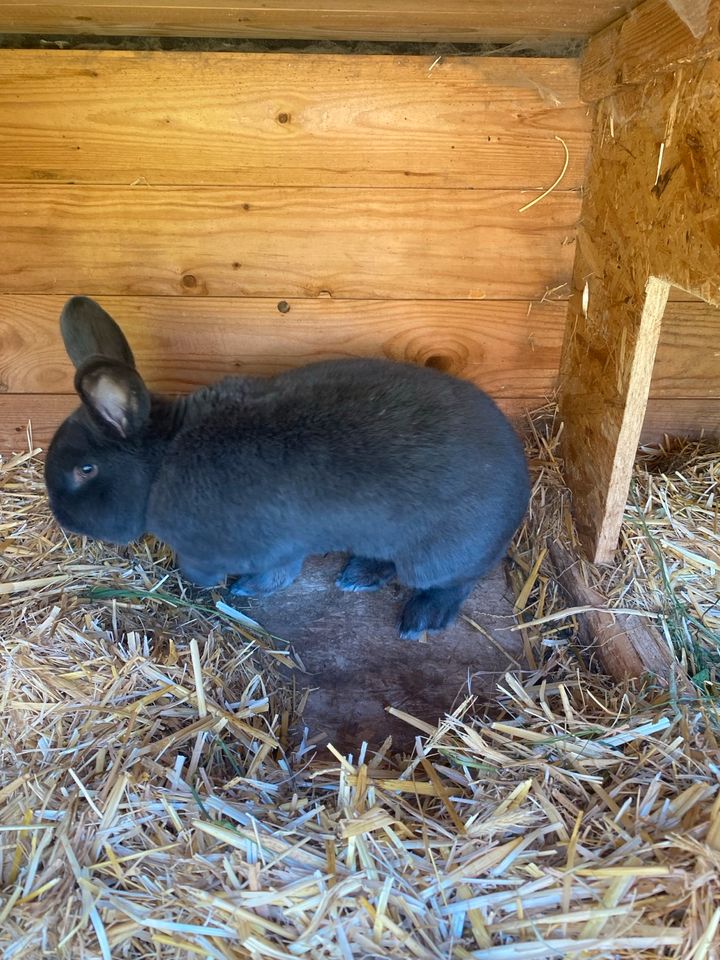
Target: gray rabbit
414	473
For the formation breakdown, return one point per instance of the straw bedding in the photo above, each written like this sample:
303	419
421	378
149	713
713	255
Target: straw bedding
152	805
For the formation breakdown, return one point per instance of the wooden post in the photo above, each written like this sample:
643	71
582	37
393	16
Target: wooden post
650	220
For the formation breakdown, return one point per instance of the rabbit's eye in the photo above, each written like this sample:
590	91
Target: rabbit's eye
85	472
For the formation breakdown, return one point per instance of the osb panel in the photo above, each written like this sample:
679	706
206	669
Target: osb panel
650	210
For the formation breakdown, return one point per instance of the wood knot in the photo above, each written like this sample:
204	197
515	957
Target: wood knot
439	362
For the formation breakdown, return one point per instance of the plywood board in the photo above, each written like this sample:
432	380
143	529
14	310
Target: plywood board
459	21
267	119
284	242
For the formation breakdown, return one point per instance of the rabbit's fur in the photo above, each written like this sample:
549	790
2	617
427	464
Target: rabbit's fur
415	473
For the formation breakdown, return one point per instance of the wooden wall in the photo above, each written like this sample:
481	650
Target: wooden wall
457	20
243	213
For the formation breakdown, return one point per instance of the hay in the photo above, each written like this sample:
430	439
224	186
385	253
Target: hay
152	805
670	550
556	182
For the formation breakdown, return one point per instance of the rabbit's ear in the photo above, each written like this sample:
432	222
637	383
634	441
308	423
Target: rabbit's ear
115	394
90	333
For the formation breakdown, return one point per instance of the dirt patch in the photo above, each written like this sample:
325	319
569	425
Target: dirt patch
357	666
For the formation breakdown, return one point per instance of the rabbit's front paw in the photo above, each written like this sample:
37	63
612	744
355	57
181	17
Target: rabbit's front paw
362	573
432	609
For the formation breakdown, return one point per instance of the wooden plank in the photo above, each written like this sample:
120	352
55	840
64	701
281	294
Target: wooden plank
681	417
457	21
653	38
510	348
647	213
676	417
687	362
286	119
45	412
284	242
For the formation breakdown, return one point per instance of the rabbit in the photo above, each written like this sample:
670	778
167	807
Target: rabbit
416	474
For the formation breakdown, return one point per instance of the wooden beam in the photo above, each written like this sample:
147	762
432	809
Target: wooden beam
650	217
283	119
651	39
456	21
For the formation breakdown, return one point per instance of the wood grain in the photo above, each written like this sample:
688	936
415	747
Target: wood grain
508	348
458	21
687	362
681	417
284	242
267	119
645	215
653	38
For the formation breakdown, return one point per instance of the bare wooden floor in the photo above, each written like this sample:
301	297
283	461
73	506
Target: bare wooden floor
356	665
